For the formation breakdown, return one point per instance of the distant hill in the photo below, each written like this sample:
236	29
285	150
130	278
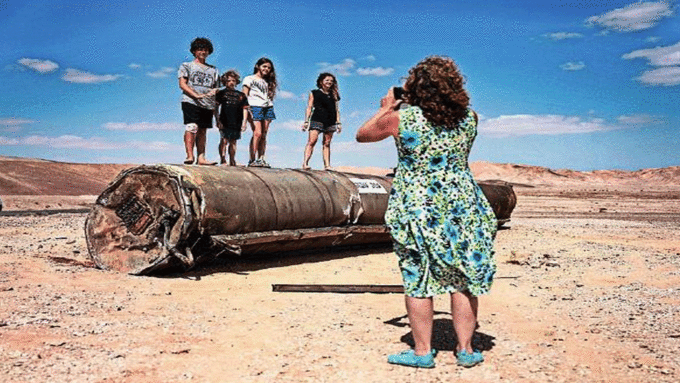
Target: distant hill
541	176
27	176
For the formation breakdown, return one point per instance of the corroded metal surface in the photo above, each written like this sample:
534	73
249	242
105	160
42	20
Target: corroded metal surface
502	198
153	217
165	216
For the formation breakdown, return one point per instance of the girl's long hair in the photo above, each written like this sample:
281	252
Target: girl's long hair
335	93
270	78
436	86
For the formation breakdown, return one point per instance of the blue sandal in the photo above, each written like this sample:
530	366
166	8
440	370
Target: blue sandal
410	359
469	360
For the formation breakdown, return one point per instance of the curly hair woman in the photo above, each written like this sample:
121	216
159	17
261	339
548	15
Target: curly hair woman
442	225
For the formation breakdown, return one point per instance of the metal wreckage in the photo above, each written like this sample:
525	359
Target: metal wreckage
173	217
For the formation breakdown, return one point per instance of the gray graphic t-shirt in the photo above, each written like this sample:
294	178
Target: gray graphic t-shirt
201	78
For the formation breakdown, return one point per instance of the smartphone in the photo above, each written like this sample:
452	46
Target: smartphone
398	92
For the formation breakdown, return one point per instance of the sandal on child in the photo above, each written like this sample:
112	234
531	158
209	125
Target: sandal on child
410	359
469	360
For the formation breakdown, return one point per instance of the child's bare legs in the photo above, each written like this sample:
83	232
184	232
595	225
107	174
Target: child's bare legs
251	148
309	149
420	317
232	152
200	147
327	137
255	140
189	139
263	140
464	312
222	149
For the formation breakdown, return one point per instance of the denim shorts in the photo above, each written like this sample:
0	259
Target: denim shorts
261	113
315	125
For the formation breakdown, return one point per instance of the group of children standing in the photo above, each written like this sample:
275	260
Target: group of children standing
202	100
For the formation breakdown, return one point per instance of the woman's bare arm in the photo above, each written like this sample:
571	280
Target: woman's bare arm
384	123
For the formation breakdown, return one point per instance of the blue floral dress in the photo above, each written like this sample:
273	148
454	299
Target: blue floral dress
441	223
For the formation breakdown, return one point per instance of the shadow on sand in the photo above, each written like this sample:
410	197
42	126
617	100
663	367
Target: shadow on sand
443	336
244	265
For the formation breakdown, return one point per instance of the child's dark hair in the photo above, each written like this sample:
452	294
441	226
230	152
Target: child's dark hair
334	87
271	77
201	43
230	73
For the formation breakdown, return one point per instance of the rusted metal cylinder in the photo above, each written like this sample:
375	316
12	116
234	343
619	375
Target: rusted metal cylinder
150	215
502	198
165	216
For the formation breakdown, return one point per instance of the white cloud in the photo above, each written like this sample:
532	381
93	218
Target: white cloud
668	58
141	126
633	17
40	66
347	68
92	143
6	141
562	35
295	125
666	76
638	120
659	56
522	124
343	69
377	71
573	65
134	66
13	124
652	39
156	146
286	95
14	121
70	142
161	73
82	77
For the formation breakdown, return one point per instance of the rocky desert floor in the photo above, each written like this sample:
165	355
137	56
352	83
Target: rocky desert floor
587	290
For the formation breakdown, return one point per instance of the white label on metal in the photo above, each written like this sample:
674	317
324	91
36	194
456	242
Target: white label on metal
368	186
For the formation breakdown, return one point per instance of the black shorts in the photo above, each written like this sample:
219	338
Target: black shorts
196	115
230	134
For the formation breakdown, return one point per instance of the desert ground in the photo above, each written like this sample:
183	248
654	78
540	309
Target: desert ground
587	290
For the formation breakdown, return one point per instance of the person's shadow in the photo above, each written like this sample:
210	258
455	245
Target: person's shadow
443	336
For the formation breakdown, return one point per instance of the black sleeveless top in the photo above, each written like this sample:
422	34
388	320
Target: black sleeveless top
325	110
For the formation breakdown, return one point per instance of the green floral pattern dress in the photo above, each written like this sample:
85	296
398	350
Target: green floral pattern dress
441	223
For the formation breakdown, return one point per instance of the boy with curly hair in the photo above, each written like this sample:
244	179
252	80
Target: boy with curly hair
198	81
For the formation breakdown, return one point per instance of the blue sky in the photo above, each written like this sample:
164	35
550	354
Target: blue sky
564	84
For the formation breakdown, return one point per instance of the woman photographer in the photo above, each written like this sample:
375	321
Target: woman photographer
442	225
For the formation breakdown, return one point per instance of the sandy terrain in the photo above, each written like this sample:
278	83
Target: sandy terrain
587	291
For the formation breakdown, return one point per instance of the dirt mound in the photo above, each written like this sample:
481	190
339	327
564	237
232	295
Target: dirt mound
25	176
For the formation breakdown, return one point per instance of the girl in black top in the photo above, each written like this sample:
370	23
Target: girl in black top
322	116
